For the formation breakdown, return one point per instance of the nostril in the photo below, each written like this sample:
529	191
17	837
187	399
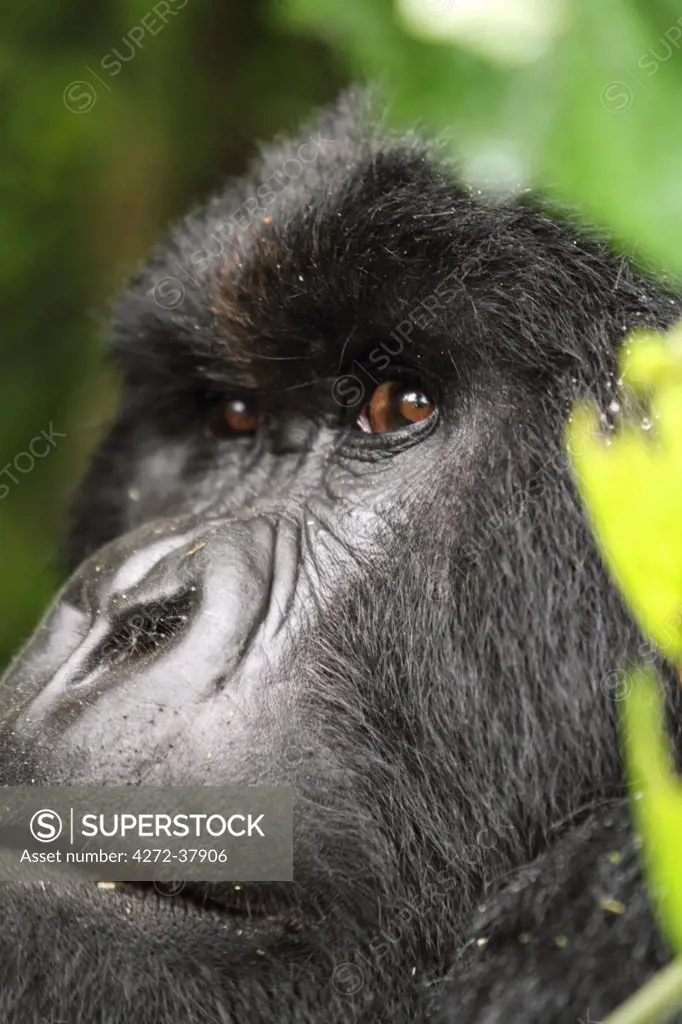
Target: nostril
142	631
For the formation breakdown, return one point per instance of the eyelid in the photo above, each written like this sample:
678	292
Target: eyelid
406	373
370	447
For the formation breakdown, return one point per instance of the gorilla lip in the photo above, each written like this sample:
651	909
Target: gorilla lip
253	915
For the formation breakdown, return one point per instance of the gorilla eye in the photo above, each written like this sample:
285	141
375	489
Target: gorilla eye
393	405
240	416
236	416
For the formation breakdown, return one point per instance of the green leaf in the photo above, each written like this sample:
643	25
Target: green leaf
632	484
656	799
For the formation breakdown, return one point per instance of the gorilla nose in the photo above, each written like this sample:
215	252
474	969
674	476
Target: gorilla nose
138	632
155	617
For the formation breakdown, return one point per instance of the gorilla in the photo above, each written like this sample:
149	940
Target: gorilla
332	539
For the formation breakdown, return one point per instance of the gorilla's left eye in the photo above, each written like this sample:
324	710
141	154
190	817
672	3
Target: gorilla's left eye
236	416
393	405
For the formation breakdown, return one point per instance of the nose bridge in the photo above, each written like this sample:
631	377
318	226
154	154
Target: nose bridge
278	489
290	435
300	456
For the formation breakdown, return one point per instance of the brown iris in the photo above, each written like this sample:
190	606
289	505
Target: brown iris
241	417
393	405
236	416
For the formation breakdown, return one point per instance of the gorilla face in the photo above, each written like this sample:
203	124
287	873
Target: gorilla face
331	539
233	553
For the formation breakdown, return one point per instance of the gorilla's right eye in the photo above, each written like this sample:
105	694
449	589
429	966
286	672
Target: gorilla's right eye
232	417
395	404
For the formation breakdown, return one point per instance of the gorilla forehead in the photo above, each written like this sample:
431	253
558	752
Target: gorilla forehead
280	277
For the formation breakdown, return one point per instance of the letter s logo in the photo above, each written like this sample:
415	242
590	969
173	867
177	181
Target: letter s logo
46	826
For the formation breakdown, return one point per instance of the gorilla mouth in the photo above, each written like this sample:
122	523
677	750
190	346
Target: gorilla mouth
253	915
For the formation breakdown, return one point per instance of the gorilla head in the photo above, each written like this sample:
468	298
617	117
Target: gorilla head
332	539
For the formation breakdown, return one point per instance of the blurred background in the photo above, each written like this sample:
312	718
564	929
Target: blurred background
118	115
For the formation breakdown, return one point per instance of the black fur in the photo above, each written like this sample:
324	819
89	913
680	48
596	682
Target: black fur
452	731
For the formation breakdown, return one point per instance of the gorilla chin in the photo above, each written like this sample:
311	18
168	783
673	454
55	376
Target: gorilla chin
332	539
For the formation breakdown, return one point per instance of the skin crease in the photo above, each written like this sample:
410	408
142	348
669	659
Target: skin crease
411	626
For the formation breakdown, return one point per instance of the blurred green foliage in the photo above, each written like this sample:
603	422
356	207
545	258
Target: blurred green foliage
591	112
631	480
94	161
632	484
